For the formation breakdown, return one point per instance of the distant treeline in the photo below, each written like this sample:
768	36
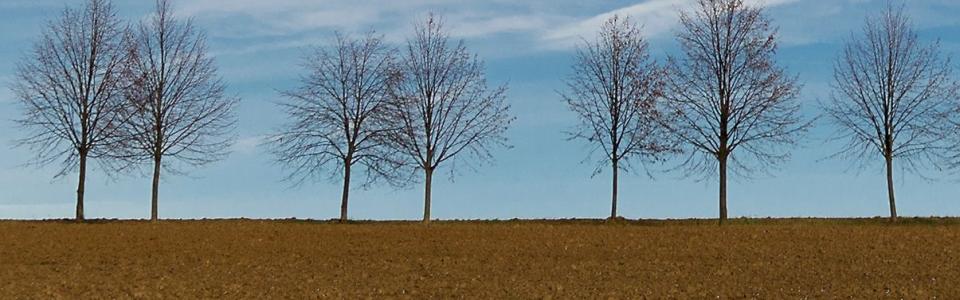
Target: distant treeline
132	95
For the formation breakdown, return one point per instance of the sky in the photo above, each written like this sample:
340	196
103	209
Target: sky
528	45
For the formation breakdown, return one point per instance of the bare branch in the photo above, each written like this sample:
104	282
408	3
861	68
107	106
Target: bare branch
70	90
176	111
69	86
728	100
337	114
726	92
614	90
441	106
894	98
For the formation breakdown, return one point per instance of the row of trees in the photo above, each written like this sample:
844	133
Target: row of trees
723	95
391	113
125	95
129	96
724	103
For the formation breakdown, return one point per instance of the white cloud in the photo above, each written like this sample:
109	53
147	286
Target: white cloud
656	16
256	25
494	25
547	28
281	17
254	48
248	145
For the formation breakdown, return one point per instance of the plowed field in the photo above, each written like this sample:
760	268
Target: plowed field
518	259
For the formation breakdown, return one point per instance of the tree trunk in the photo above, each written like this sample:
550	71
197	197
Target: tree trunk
80	185
893	204
155	195
613	206
723	188
426	195
346	192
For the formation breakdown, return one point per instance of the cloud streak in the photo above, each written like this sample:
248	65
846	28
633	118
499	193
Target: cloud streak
538	24
657	17
248	145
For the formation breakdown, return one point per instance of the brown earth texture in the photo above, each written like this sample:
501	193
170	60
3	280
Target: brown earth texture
867	258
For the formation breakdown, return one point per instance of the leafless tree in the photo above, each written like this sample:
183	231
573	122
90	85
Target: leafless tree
441	106
726	92
337	114
177	114
70	87
893	96
614	90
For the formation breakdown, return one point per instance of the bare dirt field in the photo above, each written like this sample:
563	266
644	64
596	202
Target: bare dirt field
918	258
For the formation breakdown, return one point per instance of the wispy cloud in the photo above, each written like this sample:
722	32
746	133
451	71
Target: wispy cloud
298	20
489	25
284	17
657	17
248	145
261	26
301	23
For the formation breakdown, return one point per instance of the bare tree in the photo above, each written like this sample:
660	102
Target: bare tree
70	88
177	114
337	114
726	92
441	106
614	90
893	96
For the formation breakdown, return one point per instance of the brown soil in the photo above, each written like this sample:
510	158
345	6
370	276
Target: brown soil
520	259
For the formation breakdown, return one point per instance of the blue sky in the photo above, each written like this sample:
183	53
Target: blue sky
527	44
